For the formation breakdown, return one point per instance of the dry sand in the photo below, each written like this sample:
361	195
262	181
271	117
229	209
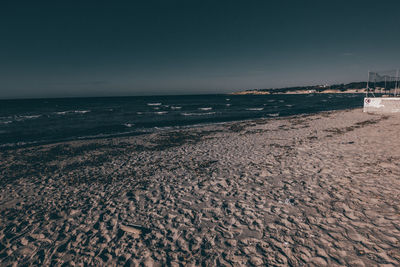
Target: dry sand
318	189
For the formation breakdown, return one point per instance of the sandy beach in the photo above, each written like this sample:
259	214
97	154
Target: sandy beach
307	190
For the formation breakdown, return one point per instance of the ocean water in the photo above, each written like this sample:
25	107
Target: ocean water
34	121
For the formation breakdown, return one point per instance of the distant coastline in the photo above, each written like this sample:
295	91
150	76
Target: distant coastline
350	88
257	92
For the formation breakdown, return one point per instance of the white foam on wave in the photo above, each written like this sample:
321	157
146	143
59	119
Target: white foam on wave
18	144
254	109
271	100
21	118
228	105
161	112
139	113
72	112
197	114
175	107
129	125
273	114
5	118
30	117
227	99
5	122
205	109
154	104
163	128
289	106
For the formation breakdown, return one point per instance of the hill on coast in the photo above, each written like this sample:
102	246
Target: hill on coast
353	87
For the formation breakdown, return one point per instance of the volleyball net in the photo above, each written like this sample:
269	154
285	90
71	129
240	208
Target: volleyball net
384	82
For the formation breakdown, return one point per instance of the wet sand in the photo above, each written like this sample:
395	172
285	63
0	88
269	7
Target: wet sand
320	189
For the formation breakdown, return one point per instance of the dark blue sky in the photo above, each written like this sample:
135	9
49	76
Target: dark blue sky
98	48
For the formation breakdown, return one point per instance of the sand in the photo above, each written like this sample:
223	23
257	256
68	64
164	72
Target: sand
320	189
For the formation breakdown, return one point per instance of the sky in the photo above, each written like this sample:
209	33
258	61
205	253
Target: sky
117	48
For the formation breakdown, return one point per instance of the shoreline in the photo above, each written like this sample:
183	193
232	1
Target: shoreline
319	189
158	130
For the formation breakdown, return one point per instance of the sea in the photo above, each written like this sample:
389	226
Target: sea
25	122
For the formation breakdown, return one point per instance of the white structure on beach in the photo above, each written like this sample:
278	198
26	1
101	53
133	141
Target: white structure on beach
382	104
386	84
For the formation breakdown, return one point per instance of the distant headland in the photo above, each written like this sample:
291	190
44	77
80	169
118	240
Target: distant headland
354	87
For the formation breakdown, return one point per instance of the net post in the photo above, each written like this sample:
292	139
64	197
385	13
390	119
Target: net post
397	78
367	89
